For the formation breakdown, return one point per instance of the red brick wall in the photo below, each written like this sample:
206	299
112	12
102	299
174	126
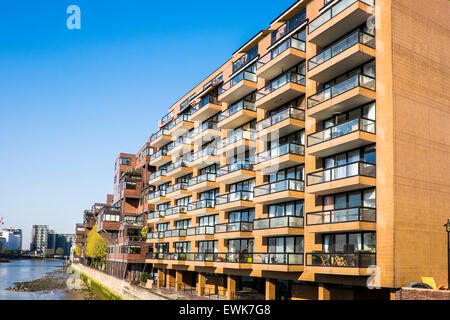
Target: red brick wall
421	294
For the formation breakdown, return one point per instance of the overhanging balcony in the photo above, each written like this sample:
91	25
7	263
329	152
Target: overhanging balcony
235	172
205	132
157	197
202	183
350	93
200	233
242	84
348	177
182	146
177	191
234	230
160	158
180	125
345	136
160	139
206	108
282	157
349	53
339	19
235	201
178	169
156	216
340	263
342	220
236	144
278	226
283	57
159	177
201	208
281	124
239	113
280	191
283	89
176	213
280	261
204	158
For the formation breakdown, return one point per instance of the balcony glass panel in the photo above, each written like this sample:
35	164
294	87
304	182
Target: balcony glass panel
344	44
202	230
238	136
203	127
341	172
289	77
243	75
334	11
278	222
289	148
235	196
340	130
290	113
282	47
202	178
202	204
240	105
183	117
284	185
156	194
176	165
157	174
358	80
175	210
343	260
342	215
159	134
234	226
233	167
279	258
177	187
156	214
207	100
158	154
208	151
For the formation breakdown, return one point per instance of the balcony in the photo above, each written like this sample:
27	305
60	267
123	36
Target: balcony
180	125
157	236
201	233
352	92
242	84
178	169
281	124
235	201
204	158
283	57
280	191
202	183
159	177
160	158
236	144
235	172
177	191
157	197
160	139
239	113
345	136
205	132
338	20
348	177
278	226
182	146
176	213
156	216
201	208
283	89
342	220
234	230
283	262
284	156
340	263
206	108
349	53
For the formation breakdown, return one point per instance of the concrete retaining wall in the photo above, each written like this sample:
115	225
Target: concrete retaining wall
119	287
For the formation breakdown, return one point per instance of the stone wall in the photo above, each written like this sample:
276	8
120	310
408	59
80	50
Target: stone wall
421	294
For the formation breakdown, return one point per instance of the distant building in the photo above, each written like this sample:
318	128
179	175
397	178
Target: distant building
13	239
64	242
2	244
39	239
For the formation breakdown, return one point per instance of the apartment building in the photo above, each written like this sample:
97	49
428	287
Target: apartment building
313	159
39	239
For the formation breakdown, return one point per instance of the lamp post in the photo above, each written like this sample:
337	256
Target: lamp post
447	228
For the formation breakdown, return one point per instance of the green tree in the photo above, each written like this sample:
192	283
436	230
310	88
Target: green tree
96	246
144	232
77	251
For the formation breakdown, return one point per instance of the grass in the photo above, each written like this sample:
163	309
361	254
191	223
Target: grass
98	289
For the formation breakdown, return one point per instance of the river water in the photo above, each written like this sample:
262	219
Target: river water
26	270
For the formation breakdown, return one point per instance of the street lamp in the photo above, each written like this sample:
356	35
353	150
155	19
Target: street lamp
447	228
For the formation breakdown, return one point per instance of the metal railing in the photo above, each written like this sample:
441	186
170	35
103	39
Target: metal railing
286	78
177	187
278	222
359	124
342	215
203	127
341	172
175	210
181	118
238	106
234	226
235	196
343	260
288	148
202	178
290	113
208	151
157	174
175	233
202	204
235	137
233	167
156	194
334	11
359	80
201	230
243	75
156	214
176	165
279	186
158	154
207	100
160	133
279	49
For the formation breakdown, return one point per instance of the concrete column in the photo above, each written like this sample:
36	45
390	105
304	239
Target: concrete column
231	287
270	289
178	280
171	279
161	279
324	292
201	282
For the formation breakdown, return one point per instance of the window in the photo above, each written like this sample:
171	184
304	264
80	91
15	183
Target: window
240	245
125	161
182	224
366	154
294	208
367	69
163	226
241	216
209	195
210	169
182	247
163	206
162	247
296	173
183	201
286	244
247	185
366	112
208	220
297	137
250	55
349	242
290	25
365	198
208	246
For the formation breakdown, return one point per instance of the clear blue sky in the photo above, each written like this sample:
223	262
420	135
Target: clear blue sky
71	100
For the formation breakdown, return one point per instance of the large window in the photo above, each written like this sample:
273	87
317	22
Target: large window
182	224
297	137
247	185
163	227
162	247
125	161
184	201
361	198
366	154
349	242
241	216
290	25
367	69
286	244
210	169
240	245
296	173
208	220
294	208
208	246
182	247
250	55
367	112
209	195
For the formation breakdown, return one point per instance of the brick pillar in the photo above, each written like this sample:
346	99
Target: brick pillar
324	292
171	280
201	282
231	287
178	280
161	279
270	289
